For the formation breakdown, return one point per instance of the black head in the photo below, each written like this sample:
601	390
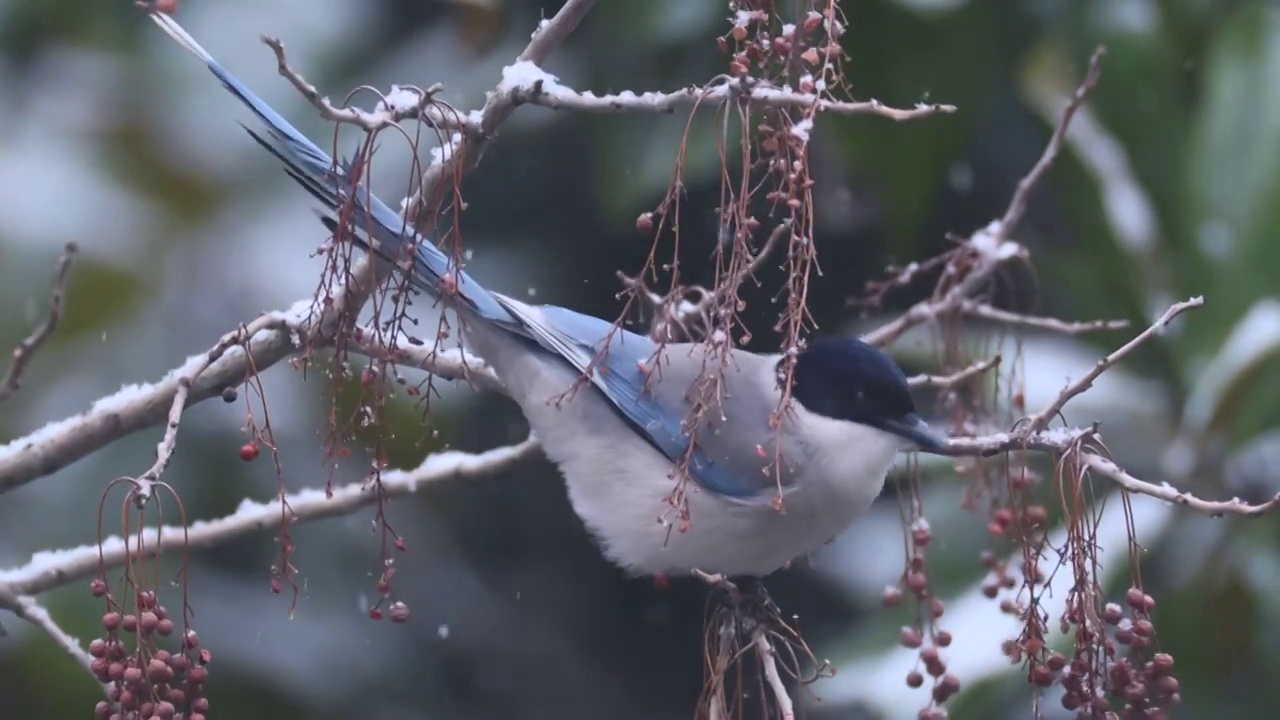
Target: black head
846	379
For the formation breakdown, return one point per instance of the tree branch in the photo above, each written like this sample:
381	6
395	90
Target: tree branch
275	336
535	87
1018	204
52	569
1042	419
976	309
27	349
947	381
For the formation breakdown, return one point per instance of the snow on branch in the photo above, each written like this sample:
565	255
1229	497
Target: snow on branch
249	349
527	84
56	568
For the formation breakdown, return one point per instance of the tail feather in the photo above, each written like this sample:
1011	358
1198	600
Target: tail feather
365	219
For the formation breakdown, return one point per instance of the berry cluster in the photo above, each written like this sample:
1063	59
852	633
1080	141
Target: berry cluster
144	681
915	637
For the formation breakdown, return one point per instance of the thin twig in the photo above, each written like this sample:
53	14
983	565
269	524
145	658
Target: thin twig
692	318
990	247
27	349
1018	205
1064	327
955	378
1041	420
1168	493
144	483
392	109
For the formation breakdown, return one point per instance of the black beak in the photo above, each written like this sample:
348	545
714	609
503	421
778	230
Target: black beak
911	427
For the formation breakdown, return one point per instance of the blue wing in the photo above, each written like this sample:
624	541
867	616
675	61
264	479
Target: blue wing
370	223
619	376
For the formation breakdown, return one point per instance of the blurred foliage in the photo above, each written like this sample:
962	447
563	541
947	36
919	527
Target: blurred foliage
515	611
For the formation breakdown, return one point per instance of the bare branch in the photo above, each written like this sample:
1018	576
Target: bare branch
497	108
992	244
676	318
1168	493
27	349
1064	327
402	103
1068	440
1042	419
49	570
975	261
956	378
1018	205
552	32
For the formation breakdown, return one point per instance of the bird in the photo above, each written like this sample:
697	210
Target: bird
628	421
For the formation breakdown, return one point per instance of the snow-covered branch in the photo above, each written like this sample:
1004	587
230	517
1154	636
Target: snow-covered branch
51	569
254	347
528	84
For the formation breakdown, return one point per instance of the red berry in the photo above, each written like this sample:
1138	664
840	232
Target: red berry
644	223
908	637
375	614
249	451
399	612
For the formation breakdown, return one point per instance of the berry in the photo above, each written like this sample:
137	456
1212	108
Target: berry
399	612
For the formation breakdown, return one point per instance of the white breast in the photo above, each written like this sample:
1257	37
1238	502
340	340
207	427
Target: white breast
621	487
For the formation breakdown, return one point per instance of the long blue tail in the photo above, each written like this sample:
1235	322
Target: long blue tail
369	222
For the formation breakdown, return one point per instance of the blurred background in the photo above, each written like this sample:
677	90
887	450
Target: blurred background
113	137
